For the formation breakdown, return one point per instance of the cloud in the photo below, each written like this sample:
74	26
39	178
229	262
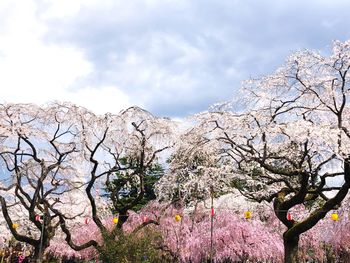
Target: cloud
35	71
172	57
101	100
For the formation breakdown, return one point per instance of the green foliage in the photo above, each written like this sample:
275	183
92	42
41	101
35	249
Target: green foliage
314	203
127	184
130	248
242	185
256	172
239	184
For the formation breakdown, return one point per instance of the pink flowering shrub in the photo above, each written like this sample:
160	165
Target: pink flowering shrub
235	238
336	234
85	232
81	234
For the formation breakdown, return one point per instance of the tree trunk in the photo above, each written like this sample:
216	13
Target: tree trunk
38	256
291	249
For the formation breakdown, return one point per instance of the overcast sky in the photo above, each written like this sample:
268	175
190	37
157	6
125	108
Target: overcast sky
171	57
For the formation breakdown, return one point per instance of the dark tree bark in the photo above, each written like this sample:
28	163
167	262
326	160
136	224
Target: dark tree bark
35	156
291	249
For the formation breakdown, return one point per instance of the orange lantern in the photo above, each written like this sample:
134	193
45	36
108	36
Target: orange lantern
115	220
248	215
335	217
14	225
177	218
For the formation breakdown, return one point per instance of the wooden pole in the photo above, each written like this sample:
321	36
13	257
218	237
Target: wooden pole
211	224
41	239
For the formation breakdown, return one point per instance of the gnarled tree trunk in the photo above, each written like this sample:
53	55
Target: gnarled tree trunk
291	249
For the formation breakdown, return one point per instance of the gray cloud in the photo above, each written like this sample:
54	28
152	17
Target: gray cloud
177	57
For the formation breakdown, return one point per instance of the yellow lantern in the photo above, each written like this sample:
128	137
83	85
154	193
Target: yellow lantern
334	217
115	220
248	215
177	218
14	225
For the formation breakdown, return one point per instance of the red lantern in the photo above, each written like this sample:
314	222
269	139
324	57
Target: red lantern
87	220
289	216
21	258
212	211
144	219
37	218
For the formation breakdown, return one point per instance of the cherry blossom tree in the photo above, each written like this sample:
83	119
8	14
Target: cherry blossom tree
120	148
288	143
235	238
37	151
57	160
195	171
292	138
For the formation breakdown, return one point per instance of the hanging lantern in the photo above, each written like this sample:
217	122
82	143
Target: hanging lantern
212	211
335	217
115	220
37	218
144	219
21	258
289	216
177	218
14	225
248	215
87	220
